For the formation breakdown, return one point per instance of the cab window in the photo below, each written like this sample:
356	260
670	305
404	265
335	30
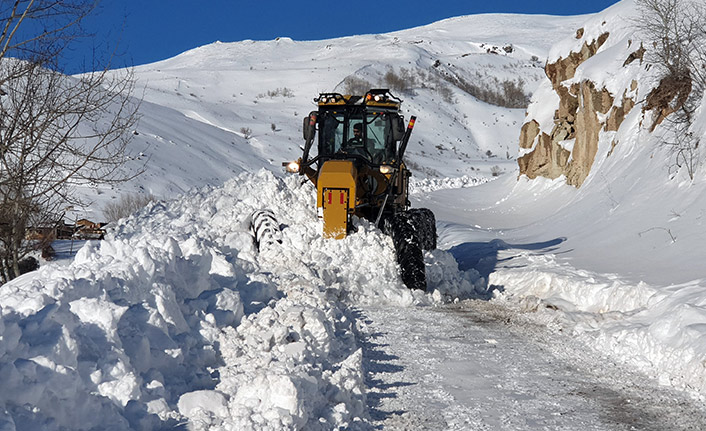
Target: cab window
377	144
332	133
380	142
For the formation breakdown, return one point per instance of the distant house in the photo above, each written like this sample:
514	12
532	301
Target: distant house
83	229
87	224
86	229
65	231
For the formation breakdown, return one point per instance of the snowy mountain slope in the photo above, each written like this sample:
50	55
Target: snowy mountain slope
625	272
633	200
196	104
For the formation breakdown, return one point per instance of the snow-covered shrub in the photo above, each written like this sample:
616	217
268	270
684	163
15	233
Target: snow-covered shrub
126	205
246	132
355	85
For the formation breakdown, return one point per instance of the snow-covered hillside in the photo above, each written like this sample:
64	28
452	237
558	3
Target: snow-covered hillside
626	269
174	320
196	105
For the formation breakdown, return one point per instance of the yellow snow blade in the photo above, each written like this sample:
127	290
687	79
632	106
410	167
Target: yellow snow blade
336	196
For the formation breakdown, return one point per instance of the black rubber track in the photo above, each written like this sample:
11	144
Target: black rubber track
409	252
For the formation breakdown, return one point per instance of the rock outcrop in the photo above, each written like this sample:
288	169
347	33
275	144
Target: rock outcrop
584	111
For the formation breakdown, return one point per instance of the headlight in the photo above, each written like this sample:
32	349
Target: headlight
292	167
385	169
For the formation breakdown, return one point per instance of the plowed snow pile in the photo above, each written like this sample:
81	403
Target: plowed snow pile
175	318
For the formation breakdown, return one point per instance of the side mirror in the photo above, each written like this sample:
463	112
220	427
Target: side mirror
397	128
309	126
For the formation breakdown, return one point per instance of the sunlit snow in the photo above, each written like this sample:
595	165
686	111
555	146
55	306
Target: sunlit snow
175	318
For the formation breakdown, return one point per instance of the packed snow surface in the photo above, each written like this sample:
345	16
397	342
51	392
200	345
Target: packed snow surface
487	365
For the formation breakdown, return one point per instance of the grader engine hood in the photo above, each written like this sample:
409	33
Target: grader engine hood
336	195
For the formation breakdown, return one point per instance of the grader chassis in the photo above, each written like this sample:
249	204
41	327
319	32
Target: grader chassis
357	166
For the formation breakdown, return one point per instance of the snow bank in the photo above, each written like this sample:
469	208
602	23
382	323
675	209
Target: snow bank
176	318
427	185
658	330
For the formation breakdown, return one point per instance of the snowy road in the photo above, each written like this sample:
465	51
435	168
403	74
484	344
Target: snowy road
479	366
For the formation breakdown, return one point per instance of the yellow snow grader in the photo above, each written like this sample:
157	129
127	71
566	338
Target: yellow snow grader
357	166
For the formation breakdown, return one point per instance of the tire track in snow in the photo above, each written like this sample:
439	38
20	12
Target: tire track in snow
481	366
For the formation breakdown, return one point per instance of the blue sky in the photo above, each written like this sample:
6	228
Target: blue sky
153	30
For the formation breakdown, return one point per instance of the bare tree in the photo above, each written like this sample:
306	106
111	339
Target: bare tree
676	30
56	131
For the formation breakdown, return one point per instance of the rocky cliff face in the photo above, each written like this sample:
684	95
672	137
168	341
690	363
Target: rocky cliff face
585	109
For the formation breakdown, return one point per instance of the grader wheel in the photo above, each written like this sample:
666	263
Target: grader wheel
425	224
408	250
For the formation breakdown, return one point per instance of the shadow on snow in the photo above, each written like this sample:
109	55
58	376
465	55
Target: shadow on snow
484	256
